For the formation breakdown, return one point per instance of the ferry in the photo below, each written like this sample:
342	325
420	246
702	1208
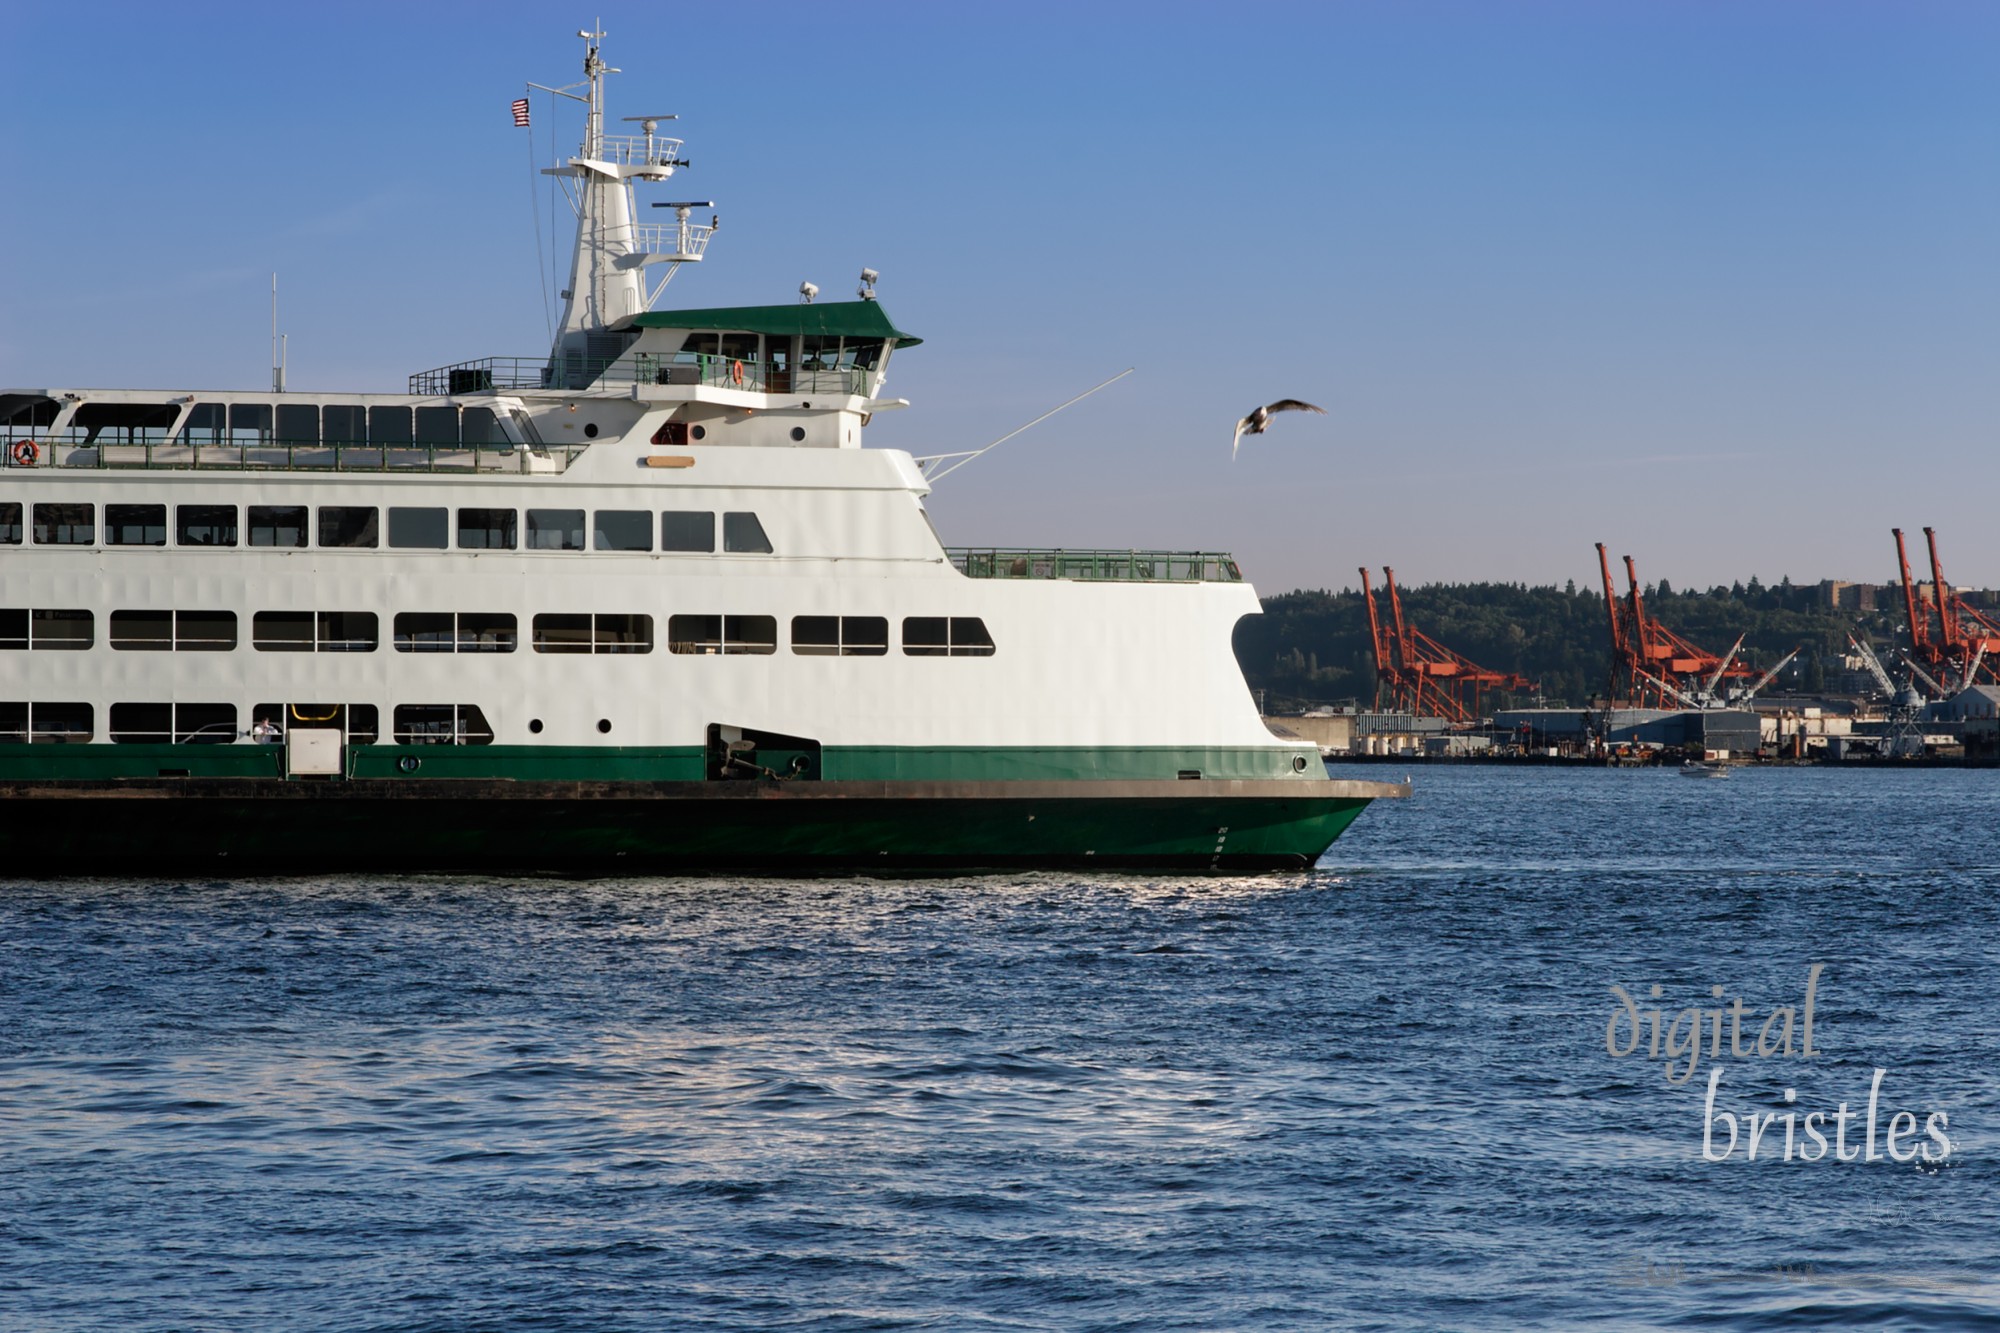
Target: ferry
641	604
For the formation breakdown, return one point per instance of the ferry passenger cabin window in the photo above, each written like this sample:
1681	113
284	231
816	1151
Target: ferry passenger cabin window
455	632
360	722
939	636
46	724
201	525
135	525
486	529
389	425
419	529
65	525
622	530
555	529
10	523
559	632
343	424
687	530
173	631
707	635
348	526
59	629
298	423
309	631
437	425
177	724
278	525
441	724
125	423
742	533
840	636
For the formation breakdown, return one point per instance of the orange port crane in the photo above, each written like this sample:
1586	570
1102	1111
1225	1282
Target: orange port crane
1965	643
1653	667
1425	677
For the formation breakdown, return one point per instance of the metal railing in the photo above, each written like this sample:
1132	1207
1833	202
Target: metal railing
1109	566
499	374
297	456
678	240
635	150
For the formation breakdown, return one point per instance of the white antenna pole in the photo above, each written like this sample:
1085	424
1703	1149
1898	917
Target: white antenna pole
277	356
963	459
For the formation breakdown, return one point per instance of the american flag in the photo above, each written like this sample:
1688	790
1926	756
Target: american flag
521	111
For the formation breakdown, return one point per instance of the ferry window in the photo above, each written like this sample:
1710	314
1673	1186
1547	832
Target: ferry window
277	525
61	724
142	724
437	425
10	523
937	636
163	631
555	529
204	724
482	427
441	724
742	532
486	632
423	631
207	423
687	530
722	634
14	628
61	629
444	632
249	423
558	632
348	631
840	636
13	724
135	525
282	631
739	346
694	634
389	425
358	720
143	631
344	424
348	525
622	530
486	529
65	525
426	529
204	631
305	631
298	423
201	525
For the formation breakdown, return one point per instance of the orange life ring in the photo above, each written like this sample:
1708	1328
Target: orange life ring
25	453
736	372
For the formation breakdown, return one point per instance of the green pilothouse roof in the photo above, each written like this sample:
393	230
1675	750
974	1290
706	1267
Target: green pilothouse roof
835	319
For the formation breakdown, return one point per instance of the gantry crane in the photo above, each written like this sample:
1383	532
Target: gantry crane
1955	656
1653	667
1423	676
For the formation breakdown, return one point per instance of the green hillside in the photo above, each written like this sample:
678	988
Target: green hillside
1311	647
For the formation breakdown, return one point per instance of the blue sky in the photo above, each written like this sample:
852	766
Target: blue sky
1713	283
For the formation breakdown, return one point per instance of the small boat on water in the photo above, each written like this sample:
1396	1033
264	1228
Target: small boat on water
1695	768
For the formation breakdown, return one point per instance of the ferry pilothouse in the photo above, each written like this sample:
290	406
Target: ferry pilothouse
643	603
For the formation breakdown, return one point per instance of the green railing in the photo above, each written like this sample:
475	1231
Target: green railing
977	562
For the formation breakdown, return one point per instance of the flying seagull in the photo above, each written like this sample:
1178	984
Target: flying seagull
1257	422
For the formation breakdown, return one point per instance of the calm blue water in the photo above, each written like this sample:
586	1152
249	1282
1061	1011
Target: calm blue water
1373	1097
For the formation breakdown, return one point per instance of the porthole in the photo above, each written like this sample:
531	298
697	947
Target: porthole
798	432
699	432
534	726
1298	763
604	725
807	405
409	763
590	430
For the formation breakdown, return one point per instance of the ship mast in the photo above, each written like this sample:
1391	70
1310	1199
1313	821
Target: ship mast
607	278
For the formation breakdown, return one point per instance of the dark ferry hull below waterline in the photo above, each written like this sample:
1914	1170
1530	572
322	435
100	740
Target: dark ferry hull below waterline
248	827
